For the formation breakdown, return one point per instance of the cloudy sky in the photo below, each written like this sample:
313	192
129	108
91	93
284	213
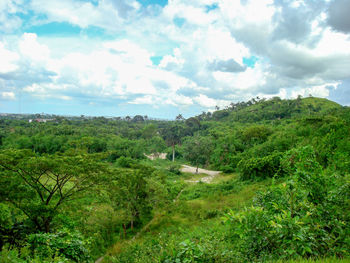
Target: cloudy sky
164	57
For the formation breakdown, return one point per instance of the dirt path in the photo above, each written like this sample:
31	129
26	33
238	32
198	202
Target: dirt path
206	179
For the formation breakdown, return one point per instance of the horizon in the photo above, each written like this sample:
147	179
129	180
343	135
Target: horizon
163	58
2	114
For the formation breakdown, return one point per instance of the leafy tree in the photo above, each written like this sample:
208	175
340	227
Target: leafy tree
172	135
256	134
149	131
129	194
138	118
193	125
197	150
39	185
155	145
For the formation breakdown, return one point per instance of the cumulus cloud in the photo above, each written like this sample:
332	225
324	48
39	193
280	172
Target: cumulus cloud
30	48
300	47
117	69
205	101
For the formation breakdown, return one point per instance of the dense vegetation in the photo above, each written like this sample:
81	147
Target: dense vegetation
74	189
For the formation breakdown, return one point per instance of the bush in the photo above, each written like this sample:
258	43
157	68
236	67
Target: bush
308	216
262	168
125	162
189	252
204	190
62	244
227	169
175	169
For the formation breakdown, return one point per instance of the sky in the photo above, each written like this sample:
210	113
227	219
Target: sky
162	58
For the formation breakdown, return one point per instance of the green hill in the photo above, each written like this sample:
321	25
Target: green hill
275	108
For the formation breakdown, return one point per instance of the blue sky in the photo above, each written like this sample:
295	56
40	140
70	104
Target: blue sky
161	58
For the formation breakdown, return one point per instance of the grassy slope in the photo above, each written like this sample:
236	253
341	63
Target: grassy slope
191	216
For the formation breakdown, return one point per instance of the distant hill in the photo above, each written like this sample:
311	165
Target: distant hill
274	108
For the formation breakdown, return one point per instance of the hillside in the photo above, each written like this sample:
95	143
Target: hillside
77	189
257	110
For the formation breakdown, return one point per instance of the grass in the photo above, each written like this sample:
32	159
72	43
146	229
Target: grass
189	218
325	260
197	220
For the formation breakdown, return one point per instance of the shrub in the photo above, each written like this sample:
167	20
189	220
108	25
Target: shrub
125	162
308	216
175	169
262	168
227	169
189	252
62	244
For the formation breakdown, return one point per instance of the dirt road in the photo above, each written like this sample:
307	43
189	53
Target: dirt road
207	179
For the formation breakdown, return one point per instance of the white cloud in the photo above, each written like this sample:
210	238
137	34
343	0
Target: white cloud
175	61
30	47
8	61
8	95
144	100
181	100
118	69
205	101
8	20
192	11
107	14
202	60
316	91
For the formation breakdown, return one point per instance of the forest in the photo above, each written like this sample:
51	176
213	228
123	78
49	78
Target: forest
82	189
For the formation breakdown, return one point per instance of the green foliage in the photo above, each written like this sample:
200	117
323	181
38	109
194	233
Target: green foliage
155	145
63	244
203	190
52	180
256	134
125	162
175	169
189	252
225	155
197	150
119	147
177	244
227	169
261	168
129	195
38	185
301	218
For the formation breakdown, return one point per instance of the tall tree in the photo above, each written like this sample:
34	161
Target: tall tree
128	189
172	135
39	185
